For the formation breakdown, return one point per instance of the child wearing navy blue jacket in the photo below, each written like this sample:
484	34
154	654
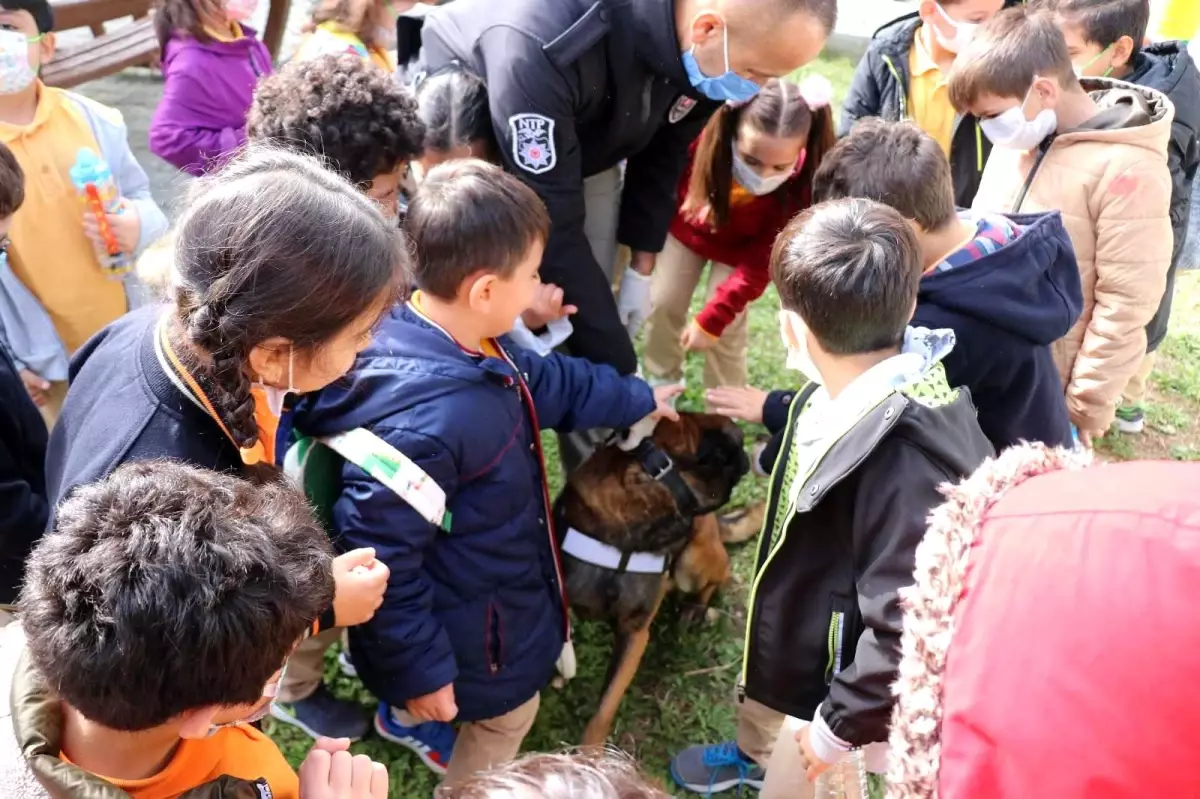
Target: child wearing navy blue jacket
1007	286
474	619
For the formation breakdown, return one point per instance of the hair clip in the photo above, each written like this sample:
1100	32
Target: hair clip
816	91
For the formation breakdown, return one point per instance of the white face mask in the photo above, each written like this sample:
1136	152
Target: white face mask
240	10
275	396
964	32
797	358
1013	131
753	182
15	72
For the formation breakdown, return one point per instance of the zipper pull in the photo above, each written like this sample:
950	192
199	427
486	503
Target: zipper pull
741	691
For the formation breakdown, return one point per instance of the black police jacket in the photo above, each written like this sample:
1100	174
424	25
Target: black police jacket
575	88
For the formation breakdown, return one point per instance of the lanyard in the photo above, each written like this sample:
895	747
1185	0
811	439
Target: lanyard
263	449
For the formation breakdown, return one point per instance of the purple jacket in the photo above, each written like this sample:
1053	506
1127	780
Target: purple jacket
209	86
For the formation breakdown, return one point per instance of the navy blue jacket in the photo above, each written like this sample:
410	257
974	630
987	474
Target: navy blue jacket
1005	309
480	606
1166	66
123	407
23	505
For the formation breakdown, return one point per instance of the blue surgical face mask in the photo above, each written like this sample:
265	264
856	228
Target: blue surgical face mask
726	87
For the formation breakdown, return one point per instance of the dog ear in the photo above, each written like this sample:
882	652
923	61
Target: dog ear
641	430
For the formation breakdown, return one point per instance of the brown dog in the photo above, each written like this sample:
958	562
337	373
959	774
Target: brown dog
630	521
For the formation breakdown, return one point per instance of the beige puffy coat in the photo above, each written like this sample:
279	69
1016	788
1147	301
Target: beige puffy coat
1110	180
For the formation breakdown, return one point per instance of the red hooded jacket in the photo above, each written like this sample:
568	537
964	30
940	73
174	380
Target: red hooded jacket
1051	643
744	242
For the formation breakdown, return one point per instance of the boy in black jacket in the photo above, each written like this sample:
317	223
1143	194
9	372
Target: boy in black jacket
865	449
1104	39
903	76
24	507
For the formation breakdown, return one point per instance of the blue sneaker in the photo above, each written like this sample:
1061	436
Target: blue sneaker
323	714
432	741
713	769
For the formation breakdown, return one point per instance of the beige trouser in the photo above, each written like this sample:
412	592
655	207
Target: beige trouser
676	275
306	666
485	744
758	727
763	735
6	615
1135	390
55	396
602	204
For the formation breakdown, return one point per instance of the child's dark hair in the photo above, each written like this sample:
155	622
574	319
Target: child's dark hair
166	588
275	245
1007	53
454	106
850	269
12	183
340	107
171	16
469	216
777	110
1103	22
895	163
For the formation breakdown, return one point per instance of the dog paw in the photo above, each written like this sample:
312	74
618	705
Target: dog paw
692	614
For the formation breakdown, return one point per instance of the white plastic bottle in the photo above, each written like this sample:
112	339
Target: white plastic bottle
846	780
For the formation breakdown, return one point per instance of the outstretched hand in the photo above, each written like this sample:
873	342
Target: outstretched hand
744	403
664	397
331	772
547	307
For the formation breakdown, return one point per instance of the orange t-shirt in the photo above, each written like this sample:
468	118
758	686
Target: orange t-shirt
239	751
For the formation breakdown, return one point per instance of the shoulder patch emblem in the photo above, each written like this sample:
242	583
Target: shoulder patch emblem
264	790
683	106
533	142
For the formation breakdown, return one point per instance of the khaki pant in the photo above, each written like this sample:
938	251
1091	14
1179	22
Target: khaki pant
602	203
758	727
676	276
763	735
55	397
306	666
6	615
1135	390
482	745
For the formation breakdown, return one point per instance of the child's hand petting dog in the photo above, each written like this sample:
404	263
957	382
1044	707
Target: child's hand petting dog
744	403
437	706
331	772
358	585
665	396
547	307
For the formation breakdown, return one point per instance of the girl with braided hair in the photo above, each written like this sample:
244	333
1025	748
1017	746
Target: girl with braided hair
280	270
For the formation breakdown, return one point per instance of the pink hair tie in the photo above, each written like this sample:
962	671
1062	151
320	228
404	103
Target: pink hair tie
816	91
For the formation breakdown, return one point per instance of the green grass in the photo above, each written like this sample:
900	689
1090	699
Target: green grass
683	693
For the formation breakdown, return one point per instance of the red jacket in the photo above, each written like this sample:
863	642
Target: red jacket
744	242
1050	646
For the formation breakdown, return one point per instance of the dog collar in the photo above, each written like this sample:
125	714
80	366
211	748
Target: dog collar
659	466
589	550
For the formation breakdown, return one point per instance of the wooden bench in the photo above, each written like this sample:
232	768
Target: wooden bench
132	44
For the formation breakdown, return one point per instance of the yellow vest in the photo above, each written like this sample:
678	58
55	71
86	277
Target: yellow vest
49	252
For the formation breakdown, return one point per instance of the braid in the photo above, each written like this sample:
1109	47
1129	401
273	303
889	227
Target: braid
226	383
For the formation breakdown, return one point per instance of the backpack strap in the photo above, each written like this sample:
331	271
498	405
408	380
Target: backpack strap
395	470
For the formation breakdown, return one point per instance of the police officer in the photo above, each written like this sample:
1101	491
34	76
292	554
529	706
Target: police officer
576	87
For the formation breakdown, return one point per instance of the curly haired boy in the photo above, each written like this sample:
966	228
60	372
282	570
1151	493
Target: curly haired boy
354	115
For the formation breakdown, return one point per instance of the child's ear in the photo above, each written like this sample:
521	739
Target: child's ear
912	311
1122	52
480	289
926	10
195	724
48	45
